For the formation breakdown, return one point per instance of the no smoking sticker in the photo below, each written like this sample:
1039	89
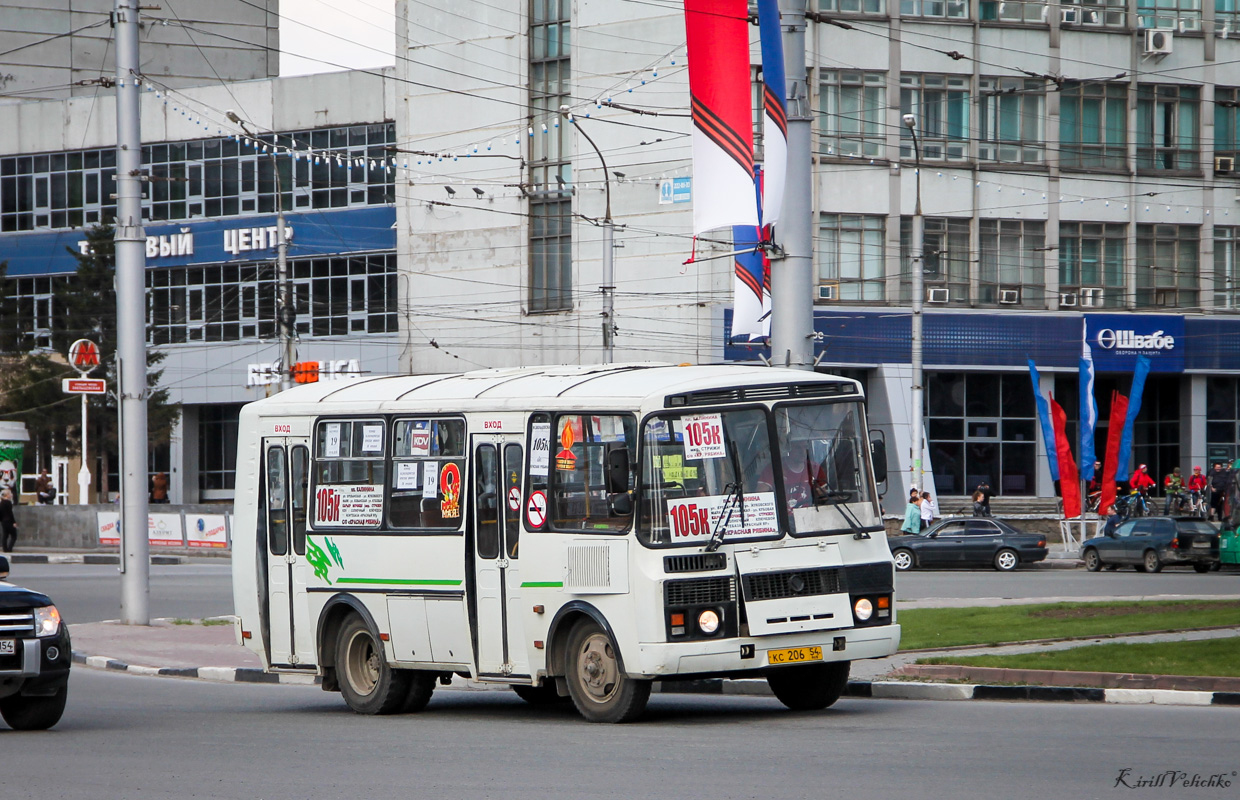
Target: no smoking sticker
514	498
536	509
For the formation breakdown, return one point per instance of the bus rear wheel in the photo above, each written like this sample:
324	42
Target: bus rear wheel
599	688
809	687
369	685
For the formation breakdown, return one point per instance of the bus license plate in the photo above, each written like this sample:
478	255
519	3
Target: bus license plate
794	655
8	647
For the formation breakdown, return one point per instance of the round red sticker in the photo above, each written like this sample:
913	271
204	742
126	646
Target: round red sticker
536	509
514	498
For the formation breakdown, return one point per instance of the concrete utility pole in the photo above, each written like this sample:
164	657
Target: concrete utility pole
917	246
609	253
130	240
792	275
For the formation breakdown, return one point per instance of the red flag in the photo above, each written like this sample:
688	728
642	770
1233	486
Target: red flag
1069	480
1119	410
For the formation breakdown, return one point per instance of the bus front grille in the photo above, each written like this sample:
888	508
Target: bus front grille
699	562
800	583
699	591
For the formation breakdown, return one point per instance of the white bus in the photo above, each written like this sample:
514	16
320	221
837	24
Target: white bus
569	531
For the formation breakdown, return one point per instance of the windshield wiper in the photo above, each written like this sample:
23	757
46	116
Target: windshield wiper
736	499
839	500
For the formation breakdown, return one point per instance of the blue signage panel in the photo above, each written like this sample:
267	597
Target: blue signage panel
214	241
1117	339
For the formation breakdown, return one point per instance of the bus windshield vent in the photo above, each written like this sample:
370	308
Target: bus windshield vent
701	562
803	583
699	591
749	394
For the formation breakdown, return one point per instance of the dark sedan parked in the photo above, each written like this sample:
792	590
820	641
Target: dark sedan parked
1150	543
972	542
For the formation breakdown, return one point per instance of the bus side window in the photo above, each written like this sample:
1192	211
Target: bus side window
277	515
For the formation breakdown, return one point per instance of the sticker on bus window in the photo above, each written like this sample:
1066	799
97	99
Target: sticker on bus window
331	440
704	436
450	488
420	439
359	506
565	460
696	517
372	438
430	483
408	475
540	448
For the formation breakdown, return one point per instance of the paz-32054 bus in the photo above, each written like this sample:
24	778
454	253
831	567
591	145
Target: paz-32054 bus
570	531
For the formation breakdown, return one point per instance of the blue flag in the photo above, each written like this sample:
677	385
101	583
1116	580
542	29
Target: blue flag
1134	408
1089	410
1048	429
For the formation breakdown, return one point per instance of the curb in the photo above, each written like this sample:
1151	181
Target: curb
87	558
218	674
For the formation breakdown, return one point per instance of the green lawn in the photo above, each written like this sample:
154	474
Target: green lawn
945	627
1214	657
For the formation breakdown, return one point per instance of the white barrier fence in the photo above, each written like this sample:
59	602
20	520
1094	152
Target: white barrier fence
182	529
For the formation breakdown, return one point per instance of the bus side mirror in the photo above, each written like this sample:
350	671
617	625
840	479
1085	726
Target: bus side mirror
617	468
878	456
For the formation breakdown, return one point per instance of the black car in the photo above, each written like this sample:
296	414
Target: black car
974	542
1150	543
35	656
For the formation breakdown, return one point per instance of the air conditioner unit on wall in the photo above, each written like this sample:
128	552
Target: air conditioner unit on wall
828	291
1009	297
938	295
1067	299
1224	164
1158	42
1091	296
1069	16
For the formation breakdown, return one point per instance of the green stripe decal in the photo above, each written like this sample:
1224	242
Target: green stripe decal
400	581
542	585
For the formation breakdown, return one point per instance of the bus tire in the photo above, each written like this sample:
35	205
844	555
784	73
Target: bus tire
421	687
368	683
599	688
545	695
809	687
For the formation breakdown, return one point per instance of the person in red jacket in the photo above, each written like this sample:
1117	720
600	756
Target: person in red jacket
1141	480
1196	486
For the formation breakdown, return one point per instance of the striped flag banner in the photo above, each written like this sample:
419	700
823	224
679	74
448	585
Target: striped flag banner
774	112
717	33
1088	408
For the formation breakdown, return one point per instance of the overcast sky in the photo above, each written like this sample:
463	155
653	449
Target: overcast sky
351	33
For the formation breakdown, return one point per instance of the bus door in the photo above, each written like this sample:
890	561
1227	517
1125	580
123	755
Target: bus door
496	531
286	476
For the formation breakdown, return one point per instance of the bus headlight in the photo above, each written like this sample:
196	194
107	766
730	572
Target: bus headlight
46	621
863	609
708	621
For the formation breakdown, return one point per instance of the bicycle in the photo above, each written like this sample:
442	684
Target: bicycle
1133	504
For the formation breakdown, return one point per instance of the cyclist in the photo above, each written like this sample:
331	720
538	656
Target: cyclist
1196	490
1141	480
1173	489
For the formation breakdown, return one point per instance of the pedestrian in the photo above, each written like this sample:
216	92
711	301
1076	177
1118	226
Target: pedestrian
1173	488
979	510
159	488
1218	490
912	514
987	493
45	492
8	523
928	510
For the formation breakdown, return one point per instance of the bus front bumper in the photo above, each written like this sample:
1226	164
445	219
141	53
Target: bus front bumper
752	653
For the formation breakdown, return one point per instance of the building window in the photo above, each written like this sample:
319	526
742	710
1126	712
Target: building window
1225	274
35	304
1108	13
1179	15
1227	124
949	9
945	259
1166	263
1167	122
851	257
217	448
1093	125
1226	17
1011	111
941	105
1091	265
853	6
334	296
852	114
981	427
1222	416
1012	262
1027	11
551	248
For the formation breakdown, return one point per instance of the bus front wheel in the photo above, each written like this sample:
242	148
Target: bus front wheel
368	683
809	687
600	690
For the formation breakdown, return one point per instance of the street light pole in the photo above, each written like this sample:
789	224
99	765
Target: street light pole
917	247
286	315
608	288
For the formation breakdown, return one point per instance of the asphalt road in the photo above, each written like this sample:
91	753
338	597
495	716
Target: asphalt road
125	736
88	593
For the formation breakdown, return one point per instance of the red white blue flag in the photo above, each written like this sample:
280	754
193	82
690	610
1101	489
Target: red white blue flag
774	112
751	286
717	33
